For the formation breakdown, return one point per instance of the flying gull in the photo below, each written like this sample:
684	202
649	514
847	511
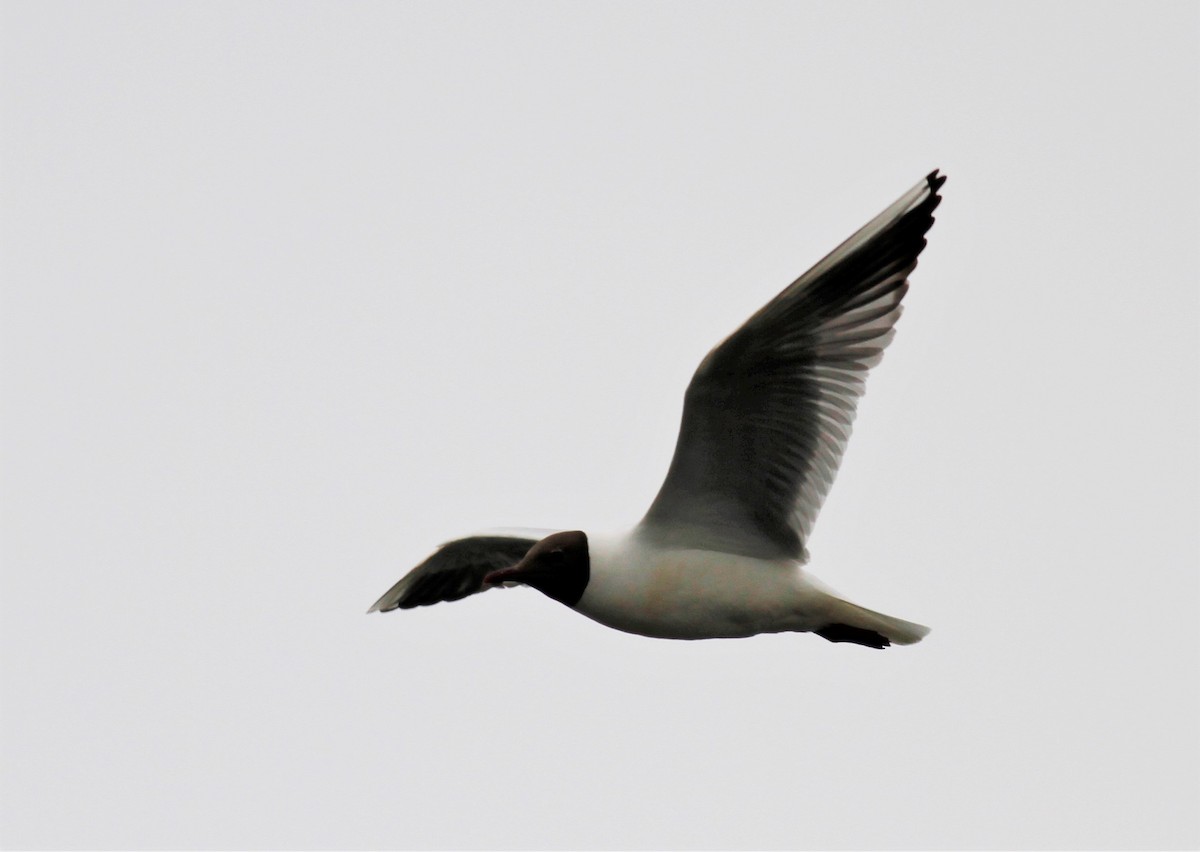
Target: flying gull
766	417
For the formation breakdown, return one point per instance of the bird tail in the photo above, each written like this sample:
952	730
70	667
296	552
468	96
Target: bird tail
853	623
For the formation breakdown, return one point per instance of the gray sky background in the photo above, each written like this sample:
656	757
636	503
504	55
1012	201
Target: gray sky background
294	292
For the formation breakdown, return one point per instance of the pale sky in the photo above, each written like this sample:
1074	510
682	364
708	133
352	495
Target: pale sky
294	292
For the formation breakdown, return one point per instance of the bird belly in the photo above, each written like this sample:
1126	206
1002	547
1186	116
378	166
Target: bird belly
697	594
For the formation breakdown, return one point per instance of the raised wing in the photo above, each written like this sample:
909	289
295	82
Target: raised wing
455	570
769	410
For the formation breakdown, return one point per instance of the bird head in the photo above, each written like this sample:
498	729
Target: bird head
557	566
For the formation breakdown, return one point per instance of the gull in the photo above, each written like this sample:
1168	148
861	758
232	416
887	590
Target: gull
721	552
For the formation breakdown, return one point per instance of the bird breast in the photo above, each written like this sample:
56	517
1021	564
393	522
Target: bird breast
692	594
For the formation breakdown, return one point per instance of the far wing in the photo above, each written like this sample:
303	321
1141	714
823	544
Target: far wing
454	571
768	412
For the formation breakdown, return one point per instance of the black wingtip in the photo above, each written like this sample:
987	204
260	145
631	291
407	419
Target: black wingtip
935	180
857	635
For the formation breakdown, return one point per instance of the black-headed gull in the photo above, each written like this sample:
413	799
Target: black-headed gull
720	553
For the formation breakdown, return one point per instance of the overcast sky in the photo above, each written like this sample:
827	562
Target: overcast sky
294	292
